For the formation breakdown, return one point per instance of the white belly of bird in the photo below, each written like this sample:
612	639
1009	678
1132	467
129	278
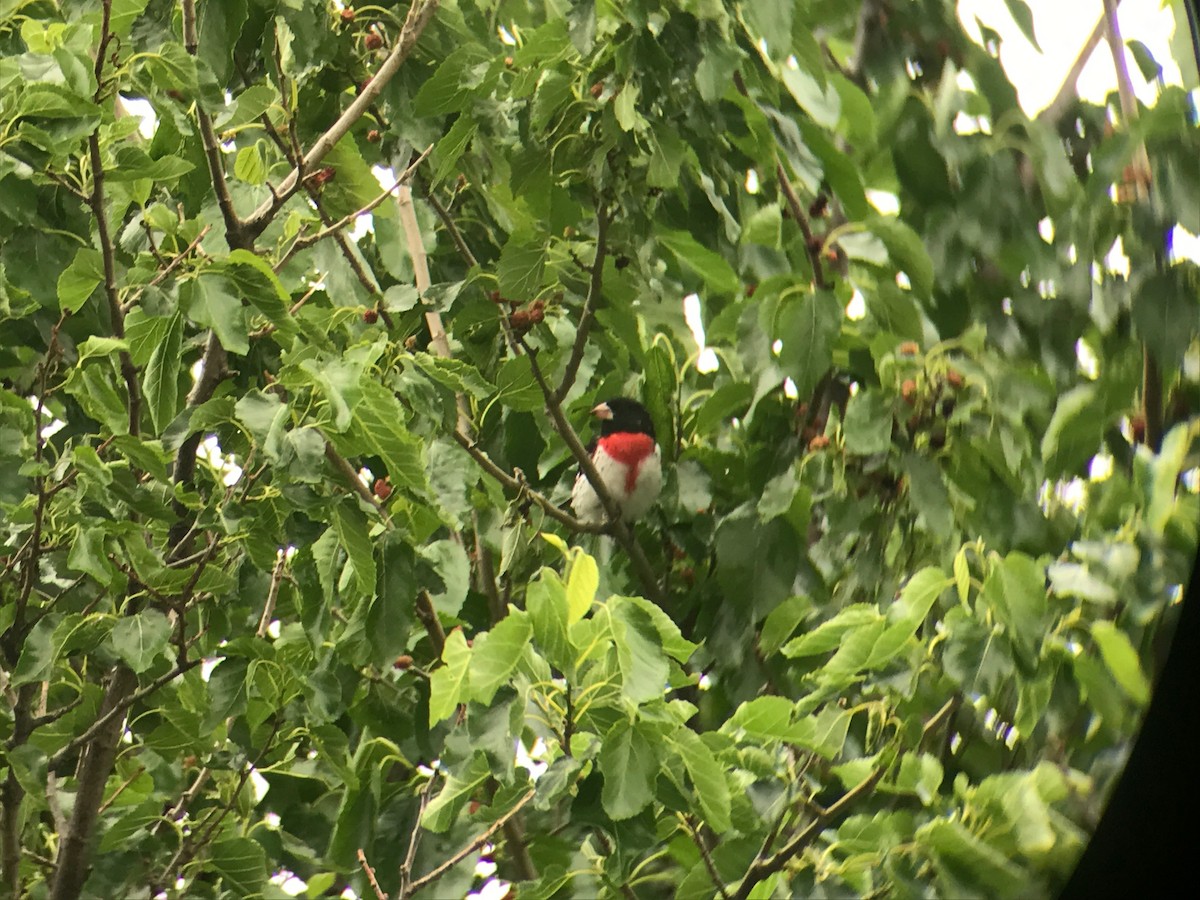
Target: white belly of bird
633	503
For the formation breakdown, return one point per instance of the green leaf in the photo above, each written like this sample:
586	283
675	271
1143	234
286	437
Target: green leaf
583	580
139	639
767	718
36	661
521	267
1074	434
240	861
625	107
765	226
640	655
1023	16
1167	315
161	383
695	257
828	635
448	89
452	146
1122	660
460	787
661	390
1016	593
352	534
380	418
918	596
907	251
516	386
80	278
967	860
249	166
448	684
546	600
629	760
808	327
496	654
100	346
258	283
212	302
868	423
708	778
929	494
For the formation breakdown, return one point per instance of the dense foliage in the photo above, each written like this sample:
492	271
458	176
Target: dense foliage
889	631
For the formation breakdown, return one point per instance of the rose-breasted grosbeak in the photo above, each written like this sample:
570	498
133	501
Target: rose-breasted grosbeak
628	460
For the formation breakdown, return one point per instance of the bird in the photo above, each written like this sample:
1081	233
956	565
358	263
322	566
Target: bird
628	460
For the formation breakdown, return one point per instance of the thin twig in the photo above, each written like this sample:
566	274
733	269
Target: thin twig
469	848
305	241
587	315
268	612
370	873
1067	93
763	868
522	488
234	227
455	235
414	837
433	625
419	16
698	840
165	271
119	707
355	483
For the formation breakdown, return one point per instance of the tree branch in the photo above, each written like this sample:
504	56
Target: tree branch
764	868
586	317
112	710
235	228
433	625
469	848
102	740
419	16
305	241
370	873
522	488
811	245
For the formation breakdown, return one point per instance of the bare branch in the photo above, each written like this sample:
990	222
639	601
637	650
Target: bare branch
763	868
102	740
170	267
433	625
698	840
235	228
354	482
522	488
366	867
1068	93
415	837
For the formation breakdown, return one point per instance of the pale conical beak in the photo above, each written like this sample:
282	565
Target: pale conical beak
601	411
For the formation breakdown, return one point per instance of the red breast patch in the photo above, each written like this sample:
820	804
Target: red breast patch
630	448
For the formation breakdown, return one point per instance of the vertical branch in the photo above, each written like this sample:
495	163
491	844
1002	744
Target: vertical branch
1152	390
99	755
235	228
603	218
97	204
